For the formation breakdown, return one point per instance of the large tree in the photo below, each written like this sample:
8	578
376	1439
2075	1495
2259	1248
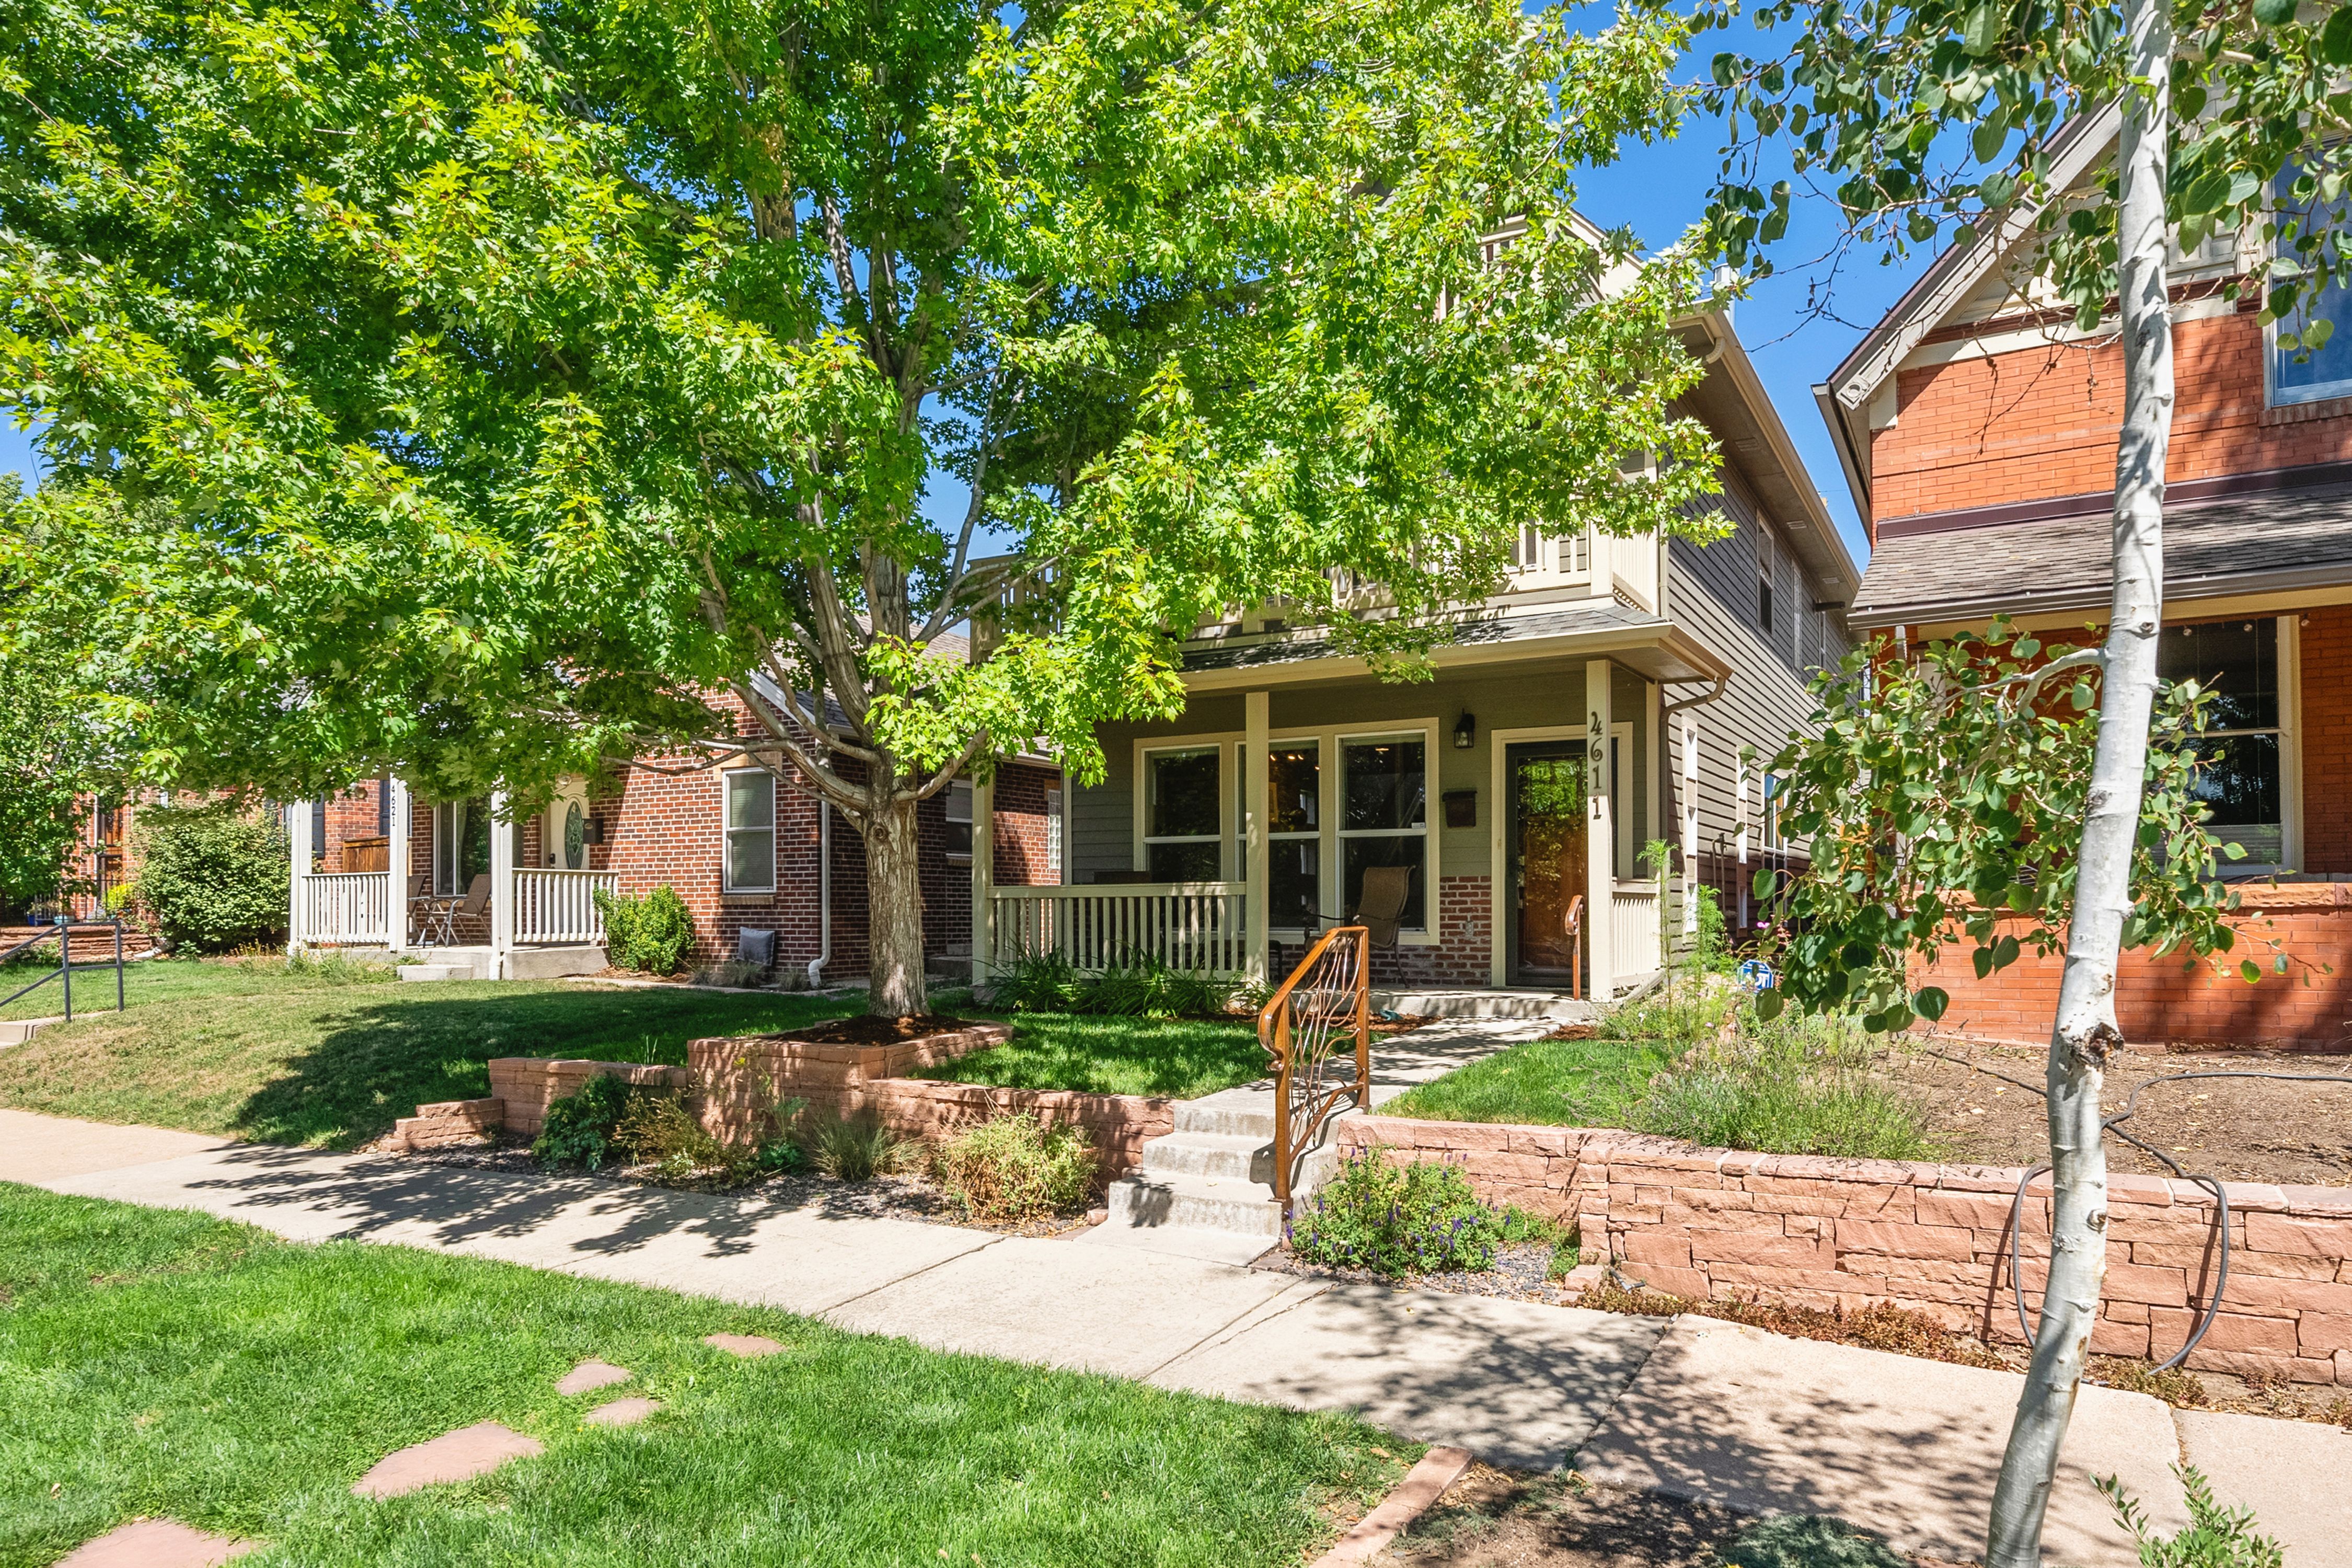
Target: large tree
1928	120
487	392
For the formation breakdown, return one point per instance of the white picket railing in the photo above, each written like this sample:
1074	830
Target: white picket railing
343	906
1634	930
561	906
1186	925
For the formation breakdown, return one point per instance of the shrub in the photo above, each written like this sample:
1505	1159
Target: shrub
2217	1537
1144	986
1792	1086
853	1148
658	1130
1015	1169
582	1128
1809	1541
330	967
1420	1218
649	934
1040	983
210	877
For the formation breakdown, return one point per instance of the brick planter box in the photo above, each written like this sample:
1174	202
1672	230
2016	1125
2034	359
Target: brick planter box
1934	1239
732	1085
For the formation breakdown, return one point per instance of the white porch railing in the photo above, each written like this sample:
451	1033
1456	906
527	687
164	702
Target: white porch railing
343	906
561	906
1634	930
1187	925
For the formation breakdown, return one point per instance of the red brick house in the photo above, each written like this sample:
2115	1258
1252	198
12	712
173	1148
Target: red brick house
1978	431
745	848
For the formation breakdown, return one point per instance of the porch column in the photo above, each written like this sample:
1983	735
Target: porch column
1257	850
983	879
1599	837
298	933
502	885
396	862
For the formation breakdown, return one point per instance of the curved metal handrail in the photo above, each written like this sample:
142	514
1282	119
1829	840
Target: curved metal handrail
1298	1027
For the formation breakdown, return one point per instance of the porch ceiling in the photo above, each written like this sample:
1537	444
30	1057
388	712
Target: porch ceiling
1589	630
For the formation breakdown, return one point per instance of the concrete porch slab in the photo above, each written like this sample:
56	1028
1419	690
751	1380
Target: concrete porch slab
2296	1475
38	1148
1056	1304
1754	1421
1515	1383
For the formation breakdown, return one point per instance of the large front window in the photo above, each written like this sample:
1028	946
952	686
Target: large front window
2238	662
1384	817
2300	373
1180	838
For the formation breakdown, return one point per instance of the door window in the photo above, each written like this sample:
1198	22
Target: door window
1294	819
1547	855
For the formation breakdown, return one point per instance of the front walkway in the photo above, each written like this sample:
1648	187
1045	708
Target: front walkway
1690	1406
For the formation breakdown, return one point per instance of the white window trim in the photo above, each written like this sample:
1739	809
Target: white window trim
2288	667
947	805
1223	743
727	832
1330	887
1325	796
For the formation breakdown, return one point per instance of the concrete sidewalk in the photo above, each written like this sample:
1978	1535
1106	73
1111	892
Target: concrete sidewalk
1693	1407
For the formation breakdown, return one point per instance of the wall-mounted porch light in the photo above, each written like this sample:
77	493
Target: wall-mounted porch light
1465	731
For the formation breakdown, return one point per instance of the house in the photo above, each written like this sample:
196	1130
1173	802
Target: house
744	848
1616	691
1978	431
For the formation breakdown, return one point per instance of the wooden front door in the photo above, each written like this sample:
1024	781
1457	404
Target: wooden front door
1546	834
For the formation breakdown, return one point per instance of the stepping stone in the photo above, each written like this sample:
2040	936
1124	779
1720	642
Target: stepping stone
458	1456
156	1544
622	1412
745	1346
591	1374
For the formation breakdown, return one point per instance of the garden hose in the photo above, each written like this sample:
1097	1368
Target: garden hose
2114	1124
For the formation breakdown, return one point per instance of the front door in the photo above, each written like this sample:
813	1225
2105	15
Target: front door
1546	834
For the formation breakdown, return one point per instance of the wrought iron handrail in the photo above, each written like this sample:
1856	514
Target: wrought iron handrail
63	972
1330	990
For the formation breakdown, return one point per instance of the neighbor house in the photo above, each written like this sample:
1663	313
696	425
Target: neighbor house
1616	691
1977	428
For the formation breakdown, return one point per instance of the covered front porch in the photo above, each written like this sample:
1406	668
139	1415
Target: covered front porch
455	889
1514	794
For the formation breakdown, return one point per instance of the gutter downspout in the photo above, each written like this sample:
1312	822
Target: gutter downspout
824	894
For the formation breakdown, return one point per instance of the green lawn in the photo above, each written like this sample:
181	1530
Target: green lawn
1543	1083
157	1362
252	1050
1183	1057
166	980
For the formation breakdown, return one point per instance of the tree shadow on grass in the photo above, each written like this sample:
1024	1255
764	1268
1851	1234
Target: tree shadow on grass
380	1060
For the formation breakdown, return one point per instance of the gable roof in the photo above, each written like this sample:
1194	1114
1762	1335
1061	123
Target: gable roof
1949	282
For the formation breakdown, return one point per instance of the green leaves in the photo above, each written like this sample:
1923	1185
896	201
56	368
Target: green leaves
1981	30
2275	13
2336	38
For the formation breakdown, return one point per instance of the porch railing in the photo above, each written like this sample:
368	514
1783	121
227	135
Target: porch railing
343	906
561	906
1185	925
1634	930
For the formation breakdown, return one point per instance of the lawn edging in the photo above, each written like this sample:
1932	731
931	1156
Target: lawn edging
1835	1232
732	1085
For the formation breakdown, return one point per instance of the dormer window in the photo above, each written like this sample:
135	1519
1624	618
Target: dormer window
2299	373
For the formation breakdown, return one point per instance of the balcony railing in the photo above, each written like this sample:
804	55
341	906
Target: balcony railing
561	906
1185	925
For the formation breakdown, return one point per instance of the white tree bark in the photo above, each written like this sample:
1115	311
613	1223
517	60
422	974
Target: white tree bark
2085	1029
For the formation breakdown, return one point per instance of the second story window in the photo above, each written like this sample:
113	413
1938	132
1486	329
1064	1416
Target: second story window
751	831
1764	568
2300	373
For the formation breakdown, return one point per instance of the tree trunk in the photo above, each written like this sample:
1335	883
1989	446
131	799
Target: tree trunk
893	912
2085	1029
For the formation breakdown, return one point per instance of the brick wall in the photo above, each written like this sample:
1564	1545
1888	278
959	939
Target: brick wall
1934	1239
2173	1001
1465	920
2042	421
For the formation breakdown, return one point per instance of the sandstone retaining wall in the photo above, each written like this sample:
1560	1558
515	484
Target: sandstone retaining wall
1934	1239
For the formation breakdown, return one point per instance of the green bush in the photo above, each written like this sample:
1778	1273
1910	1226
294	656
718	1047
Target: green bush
211	878
1013	1169
656	1130
1791	1086
650	934
2217	1537
582	1128
1040	983
1420	1218
1145	986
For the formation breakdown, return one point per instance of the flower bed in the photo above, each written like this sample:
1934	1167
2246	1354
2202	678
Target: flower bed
1934	1239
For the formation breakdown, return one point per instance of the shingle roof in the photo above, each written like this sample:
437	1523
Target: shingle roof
1585	616
2271	539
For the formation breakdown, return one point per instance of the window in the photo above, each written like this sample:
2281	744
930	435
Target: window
959	810
383	806
319	832
1384	817
1181	841
461	843
1293	822
751	831
1764	567
2325	371
1054	862
2237	661
1770	816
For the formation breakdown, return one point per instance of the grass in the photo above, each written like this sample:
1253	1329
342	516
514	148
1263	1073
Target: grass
1183	1057
161	1363
254	1050
1542	1083
171	980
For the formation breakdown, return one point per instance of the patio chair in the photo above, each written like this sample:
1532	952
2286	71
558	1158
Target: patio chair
1379	904
427	913
473	909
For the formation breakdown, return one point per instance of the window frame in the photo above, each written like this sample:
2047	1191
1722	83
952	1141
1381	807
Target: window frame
959	792
728	829
1335	865
2274	396
1223	744
1324	798
1767	574
2287	668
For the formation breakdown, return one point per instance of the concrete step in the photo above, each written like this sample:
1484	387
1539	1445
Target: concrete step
1201	1203
438	972
1478	1002
1233	1156
20	1031
1229	1114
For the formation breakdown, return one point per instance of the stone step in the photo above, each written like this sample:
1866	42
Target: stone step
20	1031
1203	1203
1481	1002
437	972
1234	1156
1229	1114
